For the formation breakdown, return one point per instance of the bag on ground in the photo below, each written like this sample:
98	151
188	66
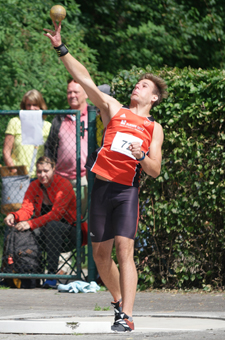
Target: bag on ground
22	252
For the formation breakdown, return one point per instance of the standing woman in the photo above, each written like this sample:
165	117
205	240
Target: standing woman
14	153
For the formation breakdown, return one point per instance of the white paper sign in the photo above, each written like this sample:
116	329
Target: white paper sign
31	126
122	142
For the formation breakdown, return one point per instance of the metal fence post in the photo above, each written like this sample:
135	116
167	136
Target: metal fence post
78	194
91	147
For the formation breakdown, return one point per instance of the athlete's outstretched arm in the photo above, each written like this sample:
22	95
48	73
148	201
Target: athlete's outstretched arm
108	106
79	73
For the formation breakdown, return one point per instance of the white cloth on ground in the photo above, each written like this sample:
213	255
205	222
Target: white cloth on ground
79	287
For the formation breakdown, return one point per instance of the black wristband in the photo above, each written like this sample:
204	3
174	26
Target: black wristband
61	50
143	157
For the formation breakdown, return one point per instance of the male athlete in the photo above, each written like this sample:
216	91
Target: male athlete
132	141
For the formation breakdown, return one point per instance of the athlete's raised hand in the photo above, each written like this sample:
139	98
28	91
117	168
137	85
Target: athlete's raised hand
54	36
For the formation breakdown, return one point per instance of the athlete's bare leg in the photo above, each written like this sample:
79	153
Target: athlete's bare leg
128	272
123	283
107	268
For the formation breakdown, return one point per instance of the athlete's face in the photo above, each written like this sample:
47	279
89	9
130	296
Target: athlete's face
143	93
45	173
76	96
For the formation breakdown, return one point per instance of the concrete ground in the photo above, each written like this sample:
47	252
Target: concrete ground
36	314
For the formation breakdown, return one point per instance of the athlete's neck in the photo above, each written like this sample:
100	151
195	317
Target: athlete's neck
140	111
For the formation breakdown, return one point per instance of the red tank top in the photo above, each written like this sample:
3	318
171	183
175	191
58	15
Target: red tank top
113	160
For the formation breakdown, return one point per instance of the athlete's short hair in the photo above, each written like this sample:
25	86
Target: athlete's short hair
160	87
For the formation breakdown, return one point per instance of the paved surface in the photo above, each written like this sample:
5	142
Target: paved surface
157	314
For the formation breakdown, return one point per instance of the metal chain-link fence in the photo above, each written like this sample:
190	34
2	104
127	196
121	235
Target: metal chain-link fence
44	208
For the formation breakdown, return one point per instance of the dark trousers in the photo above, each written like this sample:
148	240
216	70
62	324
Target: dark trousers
53	237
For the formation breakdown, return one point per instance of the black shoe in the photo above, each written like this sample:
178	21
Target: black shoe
123	324
117	309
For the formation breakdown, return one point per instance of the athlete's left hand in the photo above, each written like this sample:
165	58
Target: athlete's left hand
135	149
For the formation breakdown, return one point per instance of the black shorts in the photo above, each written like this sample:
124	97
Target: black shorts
114	211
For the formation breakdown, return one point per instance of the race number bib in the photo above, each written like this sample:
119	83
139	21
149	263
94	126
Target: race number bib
122	142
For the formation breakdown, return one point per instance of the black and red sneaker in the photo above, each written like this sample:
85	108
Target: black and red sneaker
117	309
123	324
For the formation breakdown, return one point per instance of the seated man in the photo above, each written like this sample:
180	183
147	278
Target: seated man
52	201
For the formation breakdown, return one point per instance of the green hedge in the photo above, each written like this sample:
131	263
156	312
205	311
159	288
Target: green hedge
181	236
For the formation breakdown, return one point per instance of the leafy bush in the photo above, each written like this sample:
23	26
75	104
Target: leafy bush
181	236
27	58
